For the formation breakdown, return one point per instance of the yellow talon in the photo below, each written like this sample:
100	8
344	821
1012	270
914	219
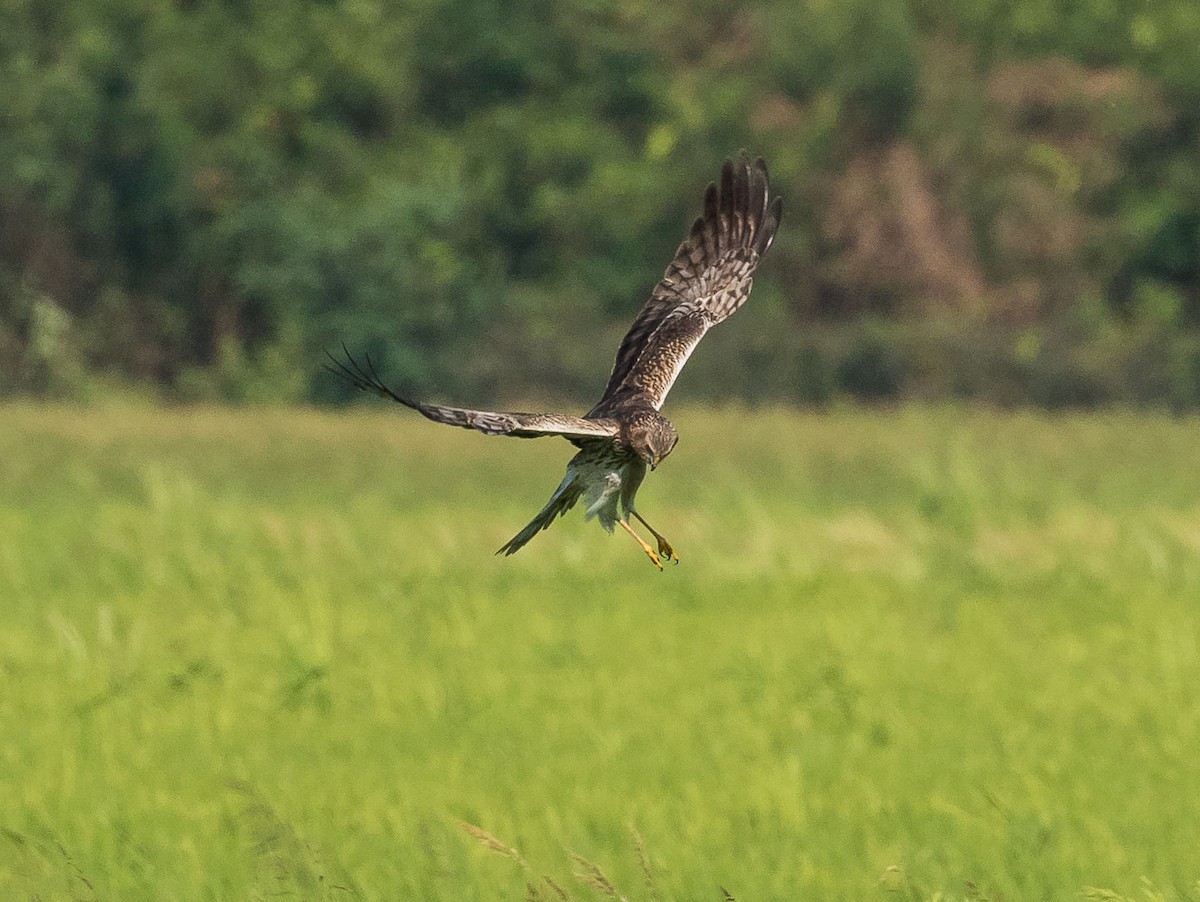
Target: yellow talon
665	549
654	559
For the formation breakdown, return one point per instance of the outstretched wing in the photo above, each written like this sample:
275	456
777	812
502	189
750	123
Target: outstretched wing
706	282
521	425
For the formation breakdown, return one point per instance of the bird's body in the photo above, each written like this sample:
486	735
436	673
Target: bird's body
604	477
621	435
606	474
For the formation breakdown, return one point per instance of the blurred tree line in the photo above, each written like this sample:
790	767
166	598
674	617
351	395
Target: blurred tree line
994	199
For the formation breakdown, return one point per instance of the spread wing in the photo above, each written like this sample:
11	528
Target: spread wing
706	282
521	425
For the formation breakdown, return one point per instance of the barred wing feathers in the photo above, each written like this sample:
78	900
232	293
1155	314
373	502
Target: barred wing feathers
707	281
520	425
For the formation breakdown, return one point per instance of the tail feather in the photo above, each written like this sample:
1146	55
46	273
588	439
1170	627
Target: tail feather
563	499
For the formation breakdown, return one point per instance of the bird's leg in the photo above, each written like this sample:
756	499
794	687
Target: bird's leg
664	547
645	547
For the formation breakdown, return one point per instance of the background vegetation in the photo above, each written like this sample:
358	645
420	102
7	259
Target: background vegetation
914	654
985	199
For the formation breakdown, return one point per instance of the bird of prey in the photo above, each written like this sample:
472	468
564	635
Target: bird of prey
708	279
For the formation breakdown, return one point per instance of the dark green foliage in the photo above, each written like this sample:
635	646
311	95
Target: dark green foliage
201	196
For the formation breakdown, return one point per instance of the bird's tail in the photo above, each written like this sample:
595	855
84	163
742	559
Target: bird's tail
560	502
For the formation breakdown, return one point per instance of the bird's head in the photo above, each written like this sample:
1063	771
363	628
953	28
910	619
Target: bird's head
652	437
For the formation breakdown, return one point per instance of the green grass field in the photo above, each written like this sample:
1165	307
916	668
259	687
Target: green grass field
914	654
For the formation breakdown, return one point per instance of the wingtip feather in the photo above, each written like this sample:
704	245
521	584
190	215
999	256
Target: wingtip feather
726	191
710	201
770	225
739	210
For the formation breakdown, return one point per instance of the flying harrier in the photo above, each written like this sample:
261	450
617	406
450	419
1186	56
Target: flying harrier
624	433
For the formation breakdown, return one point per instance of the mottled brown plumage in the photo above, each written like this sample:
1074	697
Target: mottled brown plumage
708	279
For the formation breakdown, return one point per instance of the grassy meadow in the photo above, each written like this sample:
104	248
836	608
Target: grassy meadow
908	654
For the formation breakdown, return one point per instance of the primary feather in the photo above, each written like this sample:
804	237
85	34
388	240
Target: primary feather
520	425
708	279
